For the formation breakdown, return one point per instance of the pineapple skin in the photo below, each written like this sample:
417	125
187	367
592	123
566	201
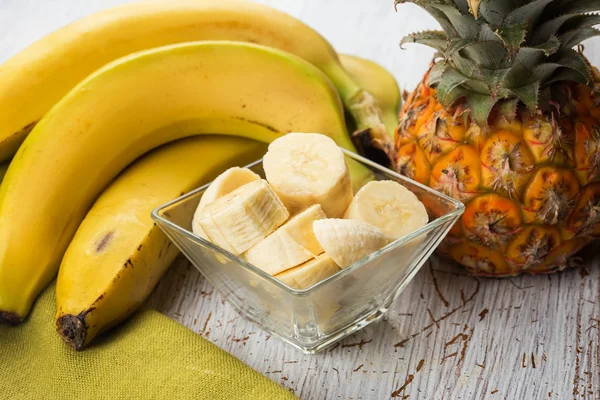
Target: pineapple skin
530	184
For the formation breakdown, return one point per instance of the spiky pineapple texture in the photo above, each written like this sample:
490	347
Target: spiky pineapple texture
507	120
502	52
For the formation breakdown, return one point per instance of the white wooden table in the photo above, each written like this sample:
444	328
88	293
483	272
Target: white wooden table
448	336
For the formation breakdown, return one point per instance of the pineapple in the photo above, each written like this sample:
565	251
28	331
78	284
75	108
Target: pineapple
507	120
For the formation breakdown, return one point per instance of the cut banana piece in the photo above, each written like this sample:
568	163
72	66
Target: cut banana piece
290	245
223	184
307	169
390	207
226	183
347	241
309	273
244	217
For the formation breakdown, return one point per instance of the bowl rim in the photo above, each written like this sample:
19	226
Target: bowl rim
430	226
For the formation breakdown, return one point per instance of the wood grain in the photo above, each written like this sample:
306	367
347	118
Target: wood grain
448	336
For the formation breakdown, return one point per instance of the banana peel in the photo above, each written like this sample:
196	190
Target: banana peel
128	108
48	69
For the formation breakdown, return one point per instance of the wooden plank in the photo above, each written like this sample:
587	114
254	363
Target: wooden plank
448	336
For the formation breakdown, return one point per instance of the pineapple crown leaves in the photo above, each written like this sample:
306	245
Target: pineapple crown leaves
436	39
502	53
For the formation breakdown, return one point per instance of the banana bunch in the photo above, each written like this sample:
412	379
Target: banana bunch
51	67
187	68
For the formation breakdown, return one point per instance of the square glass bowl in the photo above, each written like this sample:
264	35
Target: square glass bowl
317	317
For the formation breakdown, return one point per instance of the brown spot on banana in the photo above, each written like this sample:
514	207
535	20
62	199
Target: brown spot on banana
103	243
269	127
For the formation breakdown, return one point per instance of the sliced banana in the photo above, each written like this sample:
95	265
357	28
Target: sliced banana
347	241
390	207
307	169
223	184
244	217
226	183
309	273
290	245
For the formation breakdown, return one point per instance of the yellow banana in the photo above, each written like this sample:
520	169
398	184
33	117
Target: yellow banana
128	108
3	168
48	69
376	80
118	254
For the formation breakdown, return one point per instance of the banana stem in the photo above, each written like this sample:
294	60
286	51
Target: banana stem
372	137
345	85
390	120
361	104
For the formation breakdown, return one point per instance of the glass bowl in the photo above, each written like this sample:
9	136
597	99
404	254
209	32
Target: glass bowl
317	317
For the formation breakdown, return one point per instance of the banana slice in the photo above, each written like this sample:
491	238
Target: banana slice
390	207
307	169
223	184
226	183
290	245
244	217
347	241
309	273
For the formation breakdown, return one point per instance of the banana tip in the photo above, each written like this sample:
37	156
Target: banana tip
72	330
10	318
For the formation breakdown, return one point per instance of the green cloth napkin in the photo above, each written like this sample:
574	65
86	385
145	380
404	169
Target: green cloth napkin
149	357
